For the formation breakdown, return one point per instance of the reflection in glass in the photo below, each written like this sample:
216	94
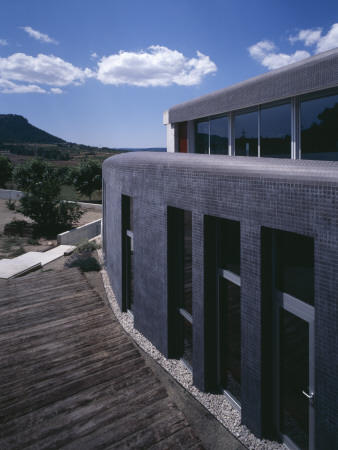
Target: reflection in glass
319	133
219	136
202	137
295	265
230	338
246	134
275	130
294	378
229	245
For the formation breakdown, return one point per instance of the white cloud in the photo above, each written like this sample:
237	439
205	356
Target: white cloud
309	37
42	69
261	49
329	41
159	66
94	55
276	60
265	52
8	87
3	42
39	36
56	91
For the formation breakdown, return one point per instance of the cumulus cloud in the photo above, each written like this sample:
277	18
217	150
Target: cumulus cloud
159	66
309	37
8	87
39	36
267	53
42	69
3	42
56	91
329	41
261	49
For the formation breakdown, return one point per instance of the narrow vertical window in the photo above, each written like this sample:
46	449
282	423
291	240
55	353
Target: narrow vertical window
229	309
289	262
128	252
180	284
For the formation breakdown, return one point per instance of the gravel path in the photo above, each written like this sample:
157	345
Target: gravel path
217	405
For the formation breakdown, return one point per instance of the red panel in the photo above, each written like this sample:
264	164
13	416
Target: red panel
183	137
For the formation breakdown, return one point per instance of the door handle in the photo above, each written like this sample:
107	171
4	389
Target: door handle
310	397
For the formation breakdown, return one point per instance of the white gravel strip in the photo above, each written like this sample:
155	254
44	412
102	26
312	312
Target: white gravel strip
217	405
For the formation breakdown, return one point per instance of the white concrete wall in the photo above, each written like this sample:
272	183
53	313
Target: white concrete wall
8	194
172	137
77	235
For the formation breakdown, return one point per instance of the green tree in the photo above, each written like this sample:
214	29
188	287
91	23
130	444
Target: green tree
6	170
41	202
87	178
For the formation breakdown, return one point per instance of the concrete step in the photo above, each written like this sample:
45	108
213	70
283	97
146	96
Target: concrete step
11	268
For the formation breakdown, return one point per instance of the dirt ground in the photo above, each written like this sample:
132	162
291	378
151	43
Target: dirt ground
12	246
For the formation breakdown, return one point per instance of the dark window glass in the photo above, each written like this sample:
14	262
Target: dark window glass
131	214
187	341
128	251
319	134
202	137
187	264
246	134
229	253
219	136
275	131
130	273
230	337
295	265
294	378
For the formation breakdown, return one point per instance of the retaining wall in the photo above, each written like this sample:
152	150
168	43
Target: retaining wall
77	235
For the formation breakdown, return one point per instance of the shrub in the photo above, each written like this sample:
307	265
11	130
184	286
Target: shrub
87	246
89	264
41	196
87	177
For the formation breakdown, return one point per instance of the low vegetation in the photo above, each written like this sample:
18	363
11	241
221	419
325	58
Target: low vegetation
6	170
83	257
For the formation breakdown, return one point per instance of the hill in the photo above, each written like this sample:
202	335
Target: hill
15	128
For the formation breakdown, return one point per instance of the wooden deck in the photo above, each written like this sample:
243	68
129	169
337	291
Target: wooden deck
71	377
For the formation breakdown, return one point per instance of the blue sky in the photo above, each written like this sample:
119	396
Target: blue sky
102	72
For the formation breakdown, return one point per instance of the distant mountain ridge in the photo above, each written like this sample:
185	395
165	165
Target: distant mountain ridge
15	128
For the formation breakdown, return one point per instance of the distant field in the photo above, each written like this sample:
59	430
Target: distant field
69	193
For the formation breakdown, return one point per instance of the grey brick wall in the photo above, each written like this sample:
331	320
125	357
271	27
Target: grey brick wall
297	196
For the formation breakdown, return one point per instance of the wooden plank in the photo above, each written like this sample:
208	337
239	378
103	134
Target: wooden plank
22	364
74	386
72	409
70	376
30	386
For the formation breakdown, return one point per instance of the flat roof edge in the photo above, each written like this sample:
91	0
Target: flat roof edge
315	73
323	171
